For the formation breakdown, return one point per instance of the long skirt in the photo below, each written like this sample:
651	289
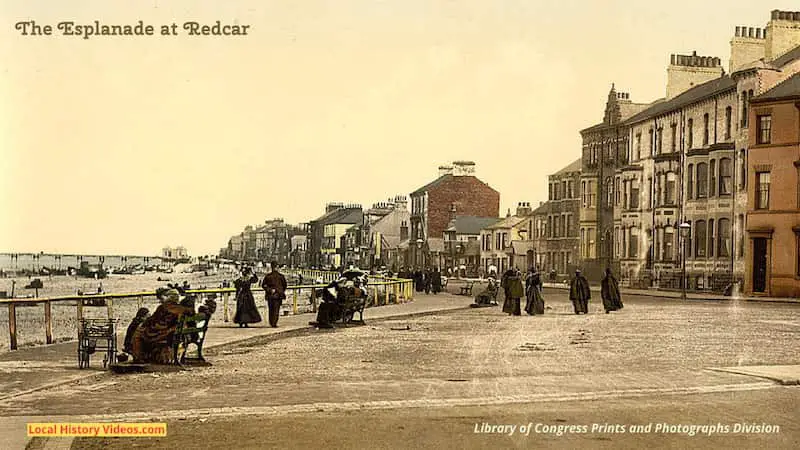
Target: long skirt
581	306
246	310
511	306
535	304
328	313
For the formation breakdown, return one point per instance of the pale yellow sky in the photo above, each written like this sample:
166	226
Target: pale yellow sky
127	144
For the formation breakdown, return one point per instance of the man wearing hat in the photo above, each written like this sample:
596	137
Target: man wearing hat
579	293
274	284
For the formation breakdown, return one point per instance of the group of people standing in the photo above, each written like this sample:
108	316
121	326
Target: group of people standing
515	286
274	285
428	280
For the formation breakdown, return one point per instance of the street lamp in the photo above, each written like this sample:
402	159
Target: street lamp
685	230
419	252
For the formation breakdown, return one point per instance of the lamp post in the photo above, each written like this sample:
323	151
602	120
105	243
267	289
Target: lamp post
420	259
685	230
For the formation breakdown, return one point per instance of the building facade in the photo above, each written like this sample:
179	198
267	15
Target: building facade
773	215
683	162
457	191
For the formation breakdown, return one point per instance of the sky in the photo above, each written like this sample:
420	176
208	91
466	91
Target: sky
125	145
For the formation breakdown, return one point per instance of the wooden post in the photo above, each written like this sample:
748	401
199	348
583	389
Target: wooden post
225	306
110	308
294	301
375	299
12	325
314	299
48	323
80	311
396	293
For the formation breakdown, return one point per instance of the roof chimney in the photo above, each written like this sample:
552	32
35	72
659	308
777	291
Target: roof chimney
463	168
445	170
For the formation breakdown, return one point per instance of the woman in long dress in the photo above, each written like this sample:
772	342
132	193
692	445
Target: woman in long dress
609	291
533	290
246	310
514	290
151	341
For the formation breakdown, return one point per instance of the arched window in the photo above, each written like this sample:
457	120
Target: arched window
690	182
609	192
700	238
725	177
702	180
724	233
687	245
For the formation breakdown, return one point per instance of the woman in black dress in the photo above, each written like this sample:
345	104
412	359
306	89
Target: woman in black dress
246	310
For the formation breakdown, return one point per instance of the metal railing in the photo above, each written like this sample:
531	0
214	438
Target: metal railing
401	290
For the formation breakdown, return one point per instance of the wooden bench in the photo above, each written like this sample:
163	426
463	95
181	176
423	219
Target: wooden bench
352	306
191	329
467	289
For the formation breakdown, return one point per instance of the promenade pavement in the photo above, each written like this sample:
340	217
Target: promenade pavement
33	369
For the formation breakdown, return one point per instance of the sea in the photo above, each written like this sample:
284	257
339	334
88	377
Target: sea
36	261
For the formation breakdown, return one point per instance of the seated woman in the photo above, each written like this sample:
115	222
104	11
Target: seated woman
487	296
152	339
332	307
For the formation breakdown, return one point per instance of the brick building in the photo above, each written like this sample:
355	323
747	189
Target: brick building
773	215
456	192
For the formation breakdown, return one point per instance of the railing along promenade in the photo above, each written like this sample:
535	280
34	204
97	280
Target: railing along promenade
402	290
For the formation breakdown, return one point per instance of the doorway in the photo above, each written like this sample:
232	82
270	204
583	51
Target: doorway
759	264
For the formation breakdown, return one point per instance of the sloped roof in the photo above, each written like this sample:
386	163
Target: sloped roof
786	58
433	183
544	208
471	224
693	95
786	89
508	222
522	247
574	166
344	216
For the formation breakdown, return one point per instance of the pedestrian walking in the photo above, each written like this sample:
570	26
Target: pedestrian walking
579	293
609	292
246	310
274	284
533	292
514	291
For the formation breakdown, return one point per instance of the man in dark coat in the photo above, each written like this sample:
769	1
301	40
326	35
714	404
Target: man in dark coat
609	291
274	284
579	293
436	281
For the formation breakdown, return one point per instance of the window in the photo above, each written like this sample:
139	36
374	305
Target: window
700	238
728	117
655	191
616	191
673	136
687	244
616	242
690	182
744	109
705	129
764	135
711	238
670	193
659	139
712	187
689	133
638	145
724	233
725	177
609	193
652	143
583	193
740	250
590	247
564	190
762	190
583	242
633	245
742	170
702	180
564	225
669	241
592	201
634	200
549	229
